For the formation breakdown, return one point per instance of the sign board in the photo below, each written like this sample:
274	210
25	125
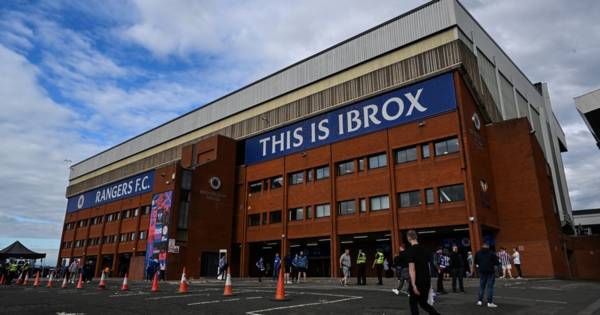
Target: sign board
158	230
125	188
411	103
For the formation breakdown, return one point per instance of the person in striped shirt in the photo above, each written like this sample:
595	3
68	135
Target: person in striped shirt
505	263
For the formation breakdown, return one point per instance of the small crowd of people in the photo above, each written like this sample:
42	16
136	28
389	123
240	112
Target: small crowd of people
153	267
75	268
295	268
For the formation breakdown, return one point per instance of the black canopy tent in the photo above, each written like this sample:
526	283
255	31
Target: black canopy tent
19	251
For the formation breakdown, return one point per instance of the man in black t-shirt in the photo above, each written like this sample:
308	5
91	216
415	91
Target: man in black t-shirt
420	278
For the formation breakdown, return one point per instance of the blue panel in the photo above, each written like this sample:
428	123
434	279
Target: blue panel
125	188
415	102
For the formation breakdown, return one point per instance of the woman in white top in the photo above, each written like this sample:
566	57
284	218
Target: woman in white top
516	256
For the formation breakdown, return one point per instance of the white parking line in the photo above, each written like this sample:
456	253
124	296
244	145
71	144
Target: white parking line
214	301
258	312
177	296
128	294
254	297
529	300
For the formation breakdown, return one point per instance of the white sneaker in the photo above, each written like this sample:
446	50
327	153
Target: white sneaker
492	305
479	303
396	291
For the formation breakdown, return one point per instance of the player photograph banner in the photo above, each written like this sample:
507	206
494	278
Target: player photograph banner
158	231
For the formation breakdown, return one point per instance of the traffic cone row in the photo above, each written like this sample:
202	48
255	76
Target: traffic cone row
64	283
125	286
2	280
49	285
80	282
26	279
155	283
36	282
228	291
183	285
102	284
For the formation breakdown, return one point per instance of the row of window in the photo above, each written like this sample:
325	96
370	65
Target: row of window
404	155
107	239
407	199
144	210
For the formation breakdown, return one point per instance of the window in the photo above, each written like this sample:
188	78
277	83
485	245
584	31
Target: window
452	193
142	235
109	217
309	212
409	199
126	214
446	147
136	212
425	151
254	219
377	161
123	237
296	178
322	172
296	214
117	216
361	164
346	207
146	210
380	203
132	236
309	175
275	217
255	187
276	182
323	210
429	196
363	204
264	218
406	155
345	168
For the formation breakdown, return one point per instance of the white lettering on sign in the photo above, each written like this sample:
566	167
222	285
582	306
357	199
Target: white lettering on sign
122	189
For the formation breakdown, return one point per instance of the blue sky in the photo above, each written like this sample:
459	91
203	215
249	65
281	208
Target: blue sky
81	76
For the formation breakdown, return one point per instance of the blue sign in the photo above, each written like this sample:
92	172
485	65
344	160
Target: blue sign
415	102
125	188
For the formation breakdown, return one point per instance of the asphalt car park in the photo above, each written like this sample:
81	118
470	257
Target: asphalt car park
318	296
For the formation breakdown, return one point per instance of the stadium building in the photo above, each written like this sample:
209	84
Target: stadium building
422	122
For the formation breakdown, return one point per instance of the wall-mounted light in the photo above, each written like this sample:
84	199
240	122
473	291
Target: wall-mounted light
422	123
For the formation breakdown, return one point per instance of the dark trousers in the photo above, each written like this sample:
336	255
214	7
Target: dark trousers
457	274
379	269
420	300
162	275
361	278
486	281
440	281
518	267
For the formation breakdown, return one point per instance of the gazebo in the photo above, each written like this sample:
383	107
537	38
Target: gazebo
19	251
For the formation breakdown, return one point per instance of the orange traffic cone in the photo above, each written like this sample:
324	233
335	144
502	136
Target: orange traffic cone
36	282
228	291
2	280
64	283
80	282
155	283
26	280
102	284
183	285
125	286
280	292
20	279
49	285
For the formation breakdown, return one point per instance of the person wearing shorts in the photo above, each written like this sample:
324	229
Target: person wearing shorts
505	263
345	264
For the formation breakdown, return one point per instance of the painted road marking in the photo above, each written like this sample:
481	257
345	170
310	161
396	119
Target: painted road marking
128	294
529	300
258	312
254	297
214	301
176	296
591	309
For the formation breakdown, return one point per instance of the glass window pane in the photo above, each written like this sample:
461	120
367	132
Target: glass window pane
429	196
425	151
452	193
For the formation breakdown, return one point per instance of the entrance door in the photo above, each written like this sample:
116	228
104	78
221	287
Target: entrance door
124	260
208	264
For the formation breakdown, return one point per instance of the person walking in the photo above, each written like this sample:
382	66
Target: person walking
222	267
361	264
378	265
419	261
457	269
260	266
505	262
438	263
288	265
345	264
516	256
150	270
276	266
73	268
12	271
301	264
401	266
471	264
486	261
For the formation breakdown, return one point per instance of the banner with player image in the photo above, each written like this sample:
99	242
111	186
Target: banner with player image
158	232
